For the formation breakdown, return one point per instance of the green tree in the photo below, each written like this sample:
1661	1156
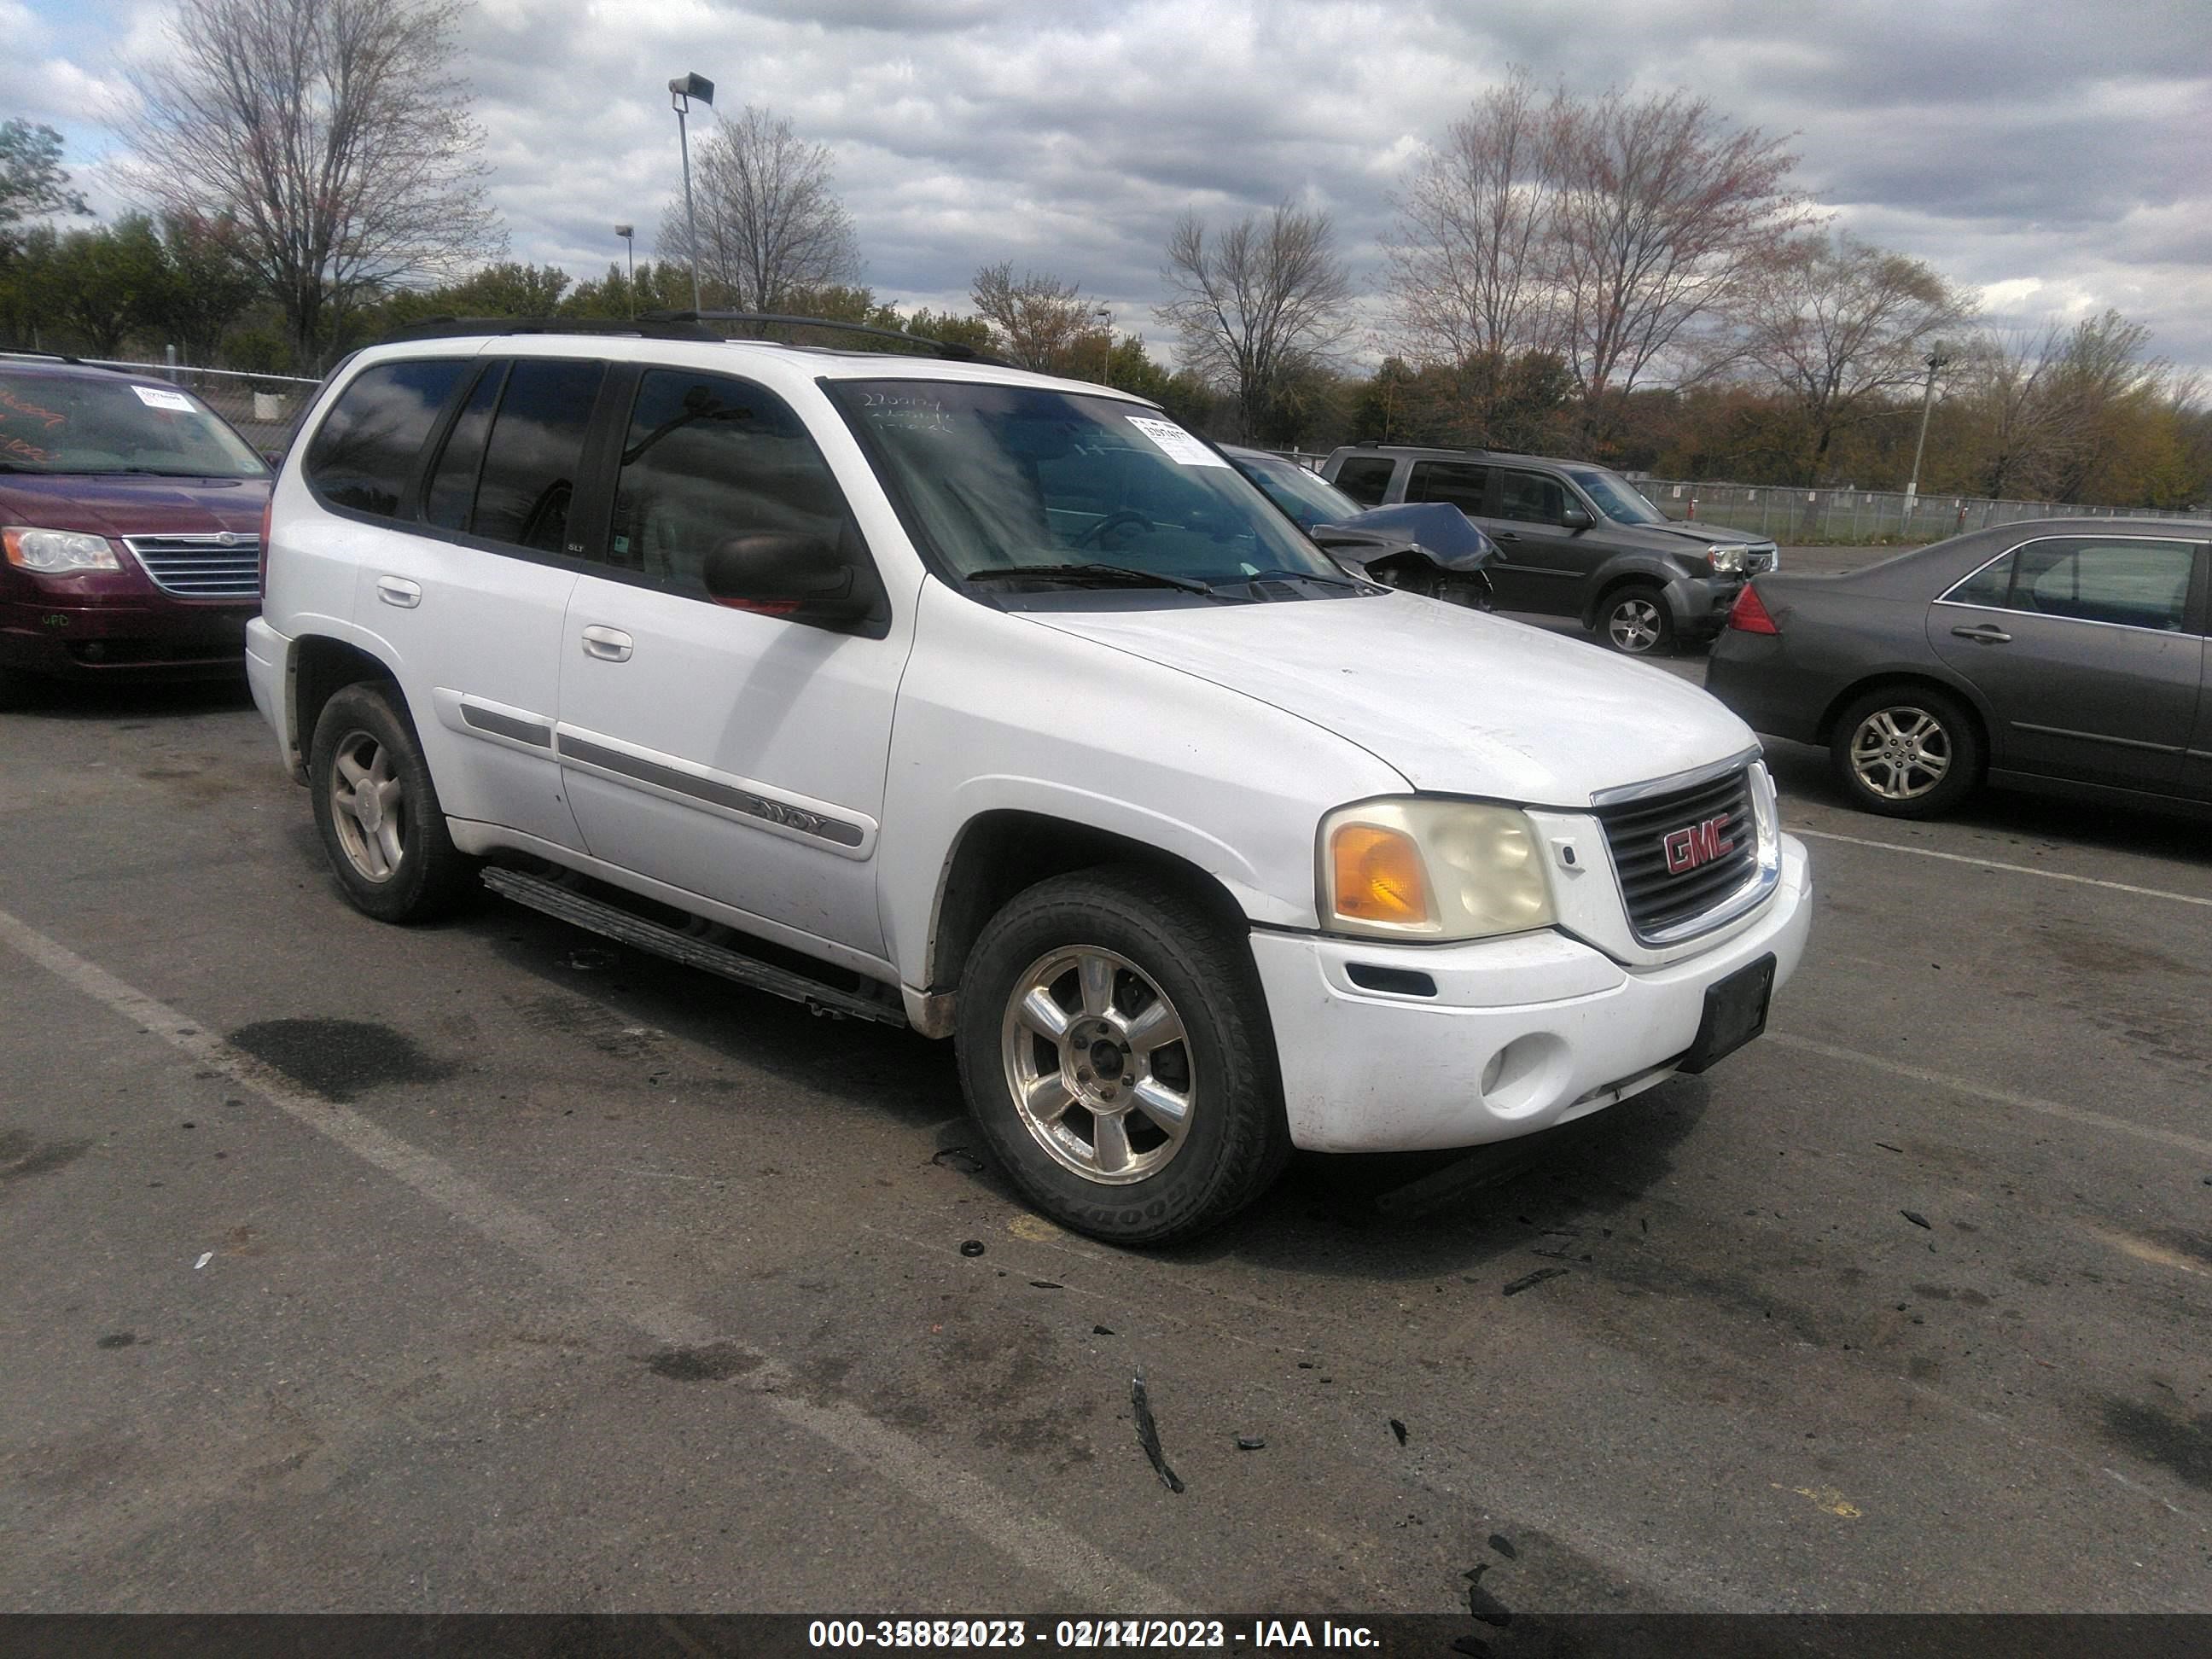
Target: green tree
109	283
205	288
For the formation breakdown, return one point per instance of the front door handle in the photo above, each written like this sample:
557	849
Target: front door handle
398	589
1505	535
1983	634
607	644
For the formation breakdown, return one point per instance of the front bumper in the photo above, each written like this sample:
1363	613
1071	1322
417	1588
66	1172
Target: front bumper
1522	1033
1699	605
110	641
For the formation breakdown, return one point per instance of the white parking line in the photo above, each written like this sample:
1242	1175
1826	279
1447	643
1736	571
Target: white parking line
1025	1536
2016	869
2057	1108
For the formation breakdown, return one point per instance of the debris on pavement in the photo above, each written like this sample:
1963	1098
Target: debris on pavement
957	1157
591	962
1916	1218
1148	1434
1886	1148
1101	1330
1250	1442
1046	1285
1486	1608
971	1247
206	1256
1503	1545
1526	1281
1398	1429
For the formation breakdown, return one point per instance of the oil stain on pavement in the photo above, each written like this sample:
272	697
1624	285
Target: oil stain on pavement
339	1059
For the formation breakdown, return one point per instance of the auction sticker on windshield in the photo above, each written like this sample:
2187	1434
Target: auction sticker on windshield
154	397
1177	444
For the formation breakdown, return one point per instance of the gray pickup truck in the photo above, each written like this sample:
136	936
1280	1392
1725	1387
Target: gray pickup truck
1576	540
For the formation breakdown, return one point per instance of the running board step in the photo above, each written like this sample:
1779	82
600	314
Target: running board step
614	922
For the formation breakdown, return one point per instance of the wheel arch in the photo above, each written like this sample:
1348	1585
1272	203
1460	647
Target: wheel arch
322	667
1630	570
1002	852
1823	733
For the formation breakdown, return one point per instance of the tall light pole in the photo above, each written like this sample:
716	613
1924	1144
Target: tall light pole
1106	357
628	233
681	91
1935	360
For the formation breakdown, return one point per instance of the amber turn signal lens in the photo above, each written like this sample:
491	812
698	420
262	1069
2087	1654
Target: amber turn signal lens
1375	875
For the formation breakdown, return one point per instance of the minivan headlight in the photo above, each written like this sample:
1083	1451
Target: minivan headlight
1725	561
56	552
1422	869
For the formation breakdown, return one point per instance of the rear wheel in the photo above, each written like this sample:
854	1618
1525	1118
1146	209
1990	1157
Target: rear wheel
1115	1048
378	812
1907	752
1633	620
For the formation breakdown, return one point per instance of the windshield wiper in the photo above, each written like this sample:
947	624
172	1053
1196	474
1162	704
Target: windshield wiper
1098	576
1279	573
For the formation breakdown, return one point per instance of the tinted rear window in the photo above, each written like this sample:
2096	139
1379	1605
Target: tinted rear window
1365	478
535	452
1456	482
364	453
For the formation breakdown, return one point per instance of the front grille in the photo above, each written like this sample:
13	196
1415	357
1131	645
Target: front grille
1636	833
1759	558
214	567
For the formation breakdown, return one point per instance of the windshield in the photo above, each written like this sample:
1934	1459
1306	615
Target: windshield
1615	496
80	423
1307	497
1003	476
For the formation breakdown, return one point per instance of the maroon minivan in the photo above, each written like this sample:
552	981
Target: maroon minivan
131	514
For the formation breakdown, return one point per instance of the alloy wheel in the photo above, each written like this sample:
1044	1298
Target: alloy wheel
368	806
1901	753
1633	625
1099	1064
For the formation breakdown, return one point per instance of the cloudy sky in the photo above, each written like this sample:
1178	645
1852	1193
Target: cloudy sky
2056	157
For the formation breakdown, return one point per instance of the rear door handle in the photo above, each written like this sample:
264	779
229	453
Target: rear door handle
607	644
398	589
1983	634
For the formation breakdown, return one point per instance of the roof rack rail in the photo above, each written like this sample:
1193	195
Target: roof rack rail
50	356
652	327
951	349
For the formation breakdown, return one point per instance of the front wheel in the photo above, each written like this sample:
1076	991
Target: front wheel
1115	1048
378	813
1634	621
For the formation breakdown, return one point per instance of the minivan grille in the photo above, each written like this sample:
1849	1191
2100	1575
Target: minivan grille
226	566
1637	833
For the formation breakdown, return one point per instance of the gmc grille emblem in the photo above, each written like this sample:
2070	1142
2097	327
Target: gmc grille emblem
1696	844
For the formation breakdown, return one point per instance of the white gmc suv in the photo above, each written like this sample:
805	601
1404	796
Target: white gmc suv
1001	706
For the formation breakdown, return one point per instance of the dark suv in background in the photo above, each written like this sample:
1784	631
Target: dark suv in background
1576	540
130	513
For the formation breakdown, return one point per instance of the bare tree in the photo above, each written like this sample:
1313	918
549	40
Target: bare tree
771	228
33	182
1468	256
1258	304
2014	424
1658	214
1040	322
332	139
1837	325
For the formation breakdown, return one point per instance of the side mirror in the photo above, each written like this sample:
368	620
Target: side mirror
1572	517
802	578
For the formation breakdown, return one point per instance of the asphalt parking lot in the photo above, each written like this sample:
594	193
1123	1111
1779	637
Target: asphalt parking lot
483	1268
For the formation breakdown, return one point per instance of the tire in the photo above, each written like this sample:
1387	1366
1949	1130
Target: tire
1633	620
1105	948
1889	740
394	858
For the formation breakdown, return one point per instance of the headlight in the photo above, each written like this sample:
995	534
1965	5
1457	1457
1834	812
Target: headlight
1725	561
58	552
1431	870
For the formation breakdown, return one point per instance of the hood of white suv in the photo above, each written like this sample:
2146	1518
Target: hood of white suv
1458	702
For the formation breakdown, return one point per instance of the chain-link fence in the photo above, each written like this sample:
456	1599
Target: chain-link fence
264	407
1814	517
